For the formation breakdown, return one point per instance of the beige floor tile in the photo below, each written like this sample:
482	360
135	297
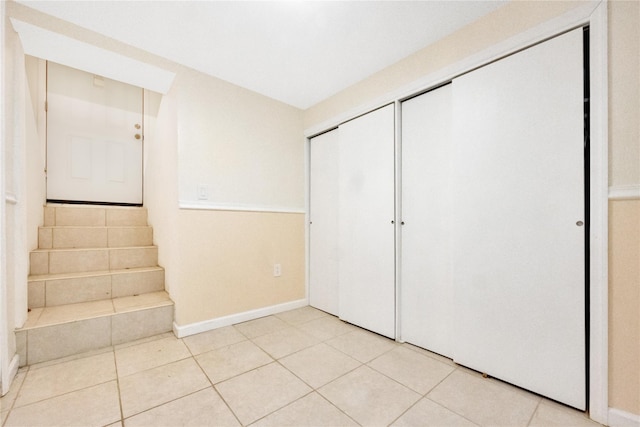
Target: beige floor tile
93	406
284	342
362	345
203	408
3	415
214	339
261	326
150	355
147	389
419	373
554	414
301	315
430	354
116	424
227	362
319	365
54	380
429	414
327	327
6	401
257	393
310	411
483	401
72	312
369	397
72	357
145	340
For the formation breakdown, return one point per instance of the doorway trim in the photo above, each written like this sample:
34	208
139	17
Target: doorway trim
593	14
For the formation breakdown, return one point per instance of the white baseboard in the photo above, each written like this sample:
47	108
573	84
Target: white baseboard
12	371
619	418
208	325
624	192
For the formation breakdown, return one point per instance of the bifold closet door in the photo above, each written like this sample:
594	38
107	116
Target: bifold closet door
519	214
426	284
366	221
323	227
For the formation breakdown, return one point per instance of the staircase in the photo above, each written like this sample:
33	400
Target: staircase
94	282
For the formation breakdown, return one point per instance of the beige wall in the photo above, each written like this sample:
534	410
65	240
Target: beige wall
624	135
624	305
246	148
624	219
226	262
220	263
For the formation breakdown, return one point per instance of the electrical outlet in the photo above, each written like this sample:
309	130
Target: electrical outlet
277	270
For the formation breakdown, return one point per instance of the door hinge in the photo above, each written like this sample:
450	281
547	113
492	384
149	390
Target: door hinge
46	106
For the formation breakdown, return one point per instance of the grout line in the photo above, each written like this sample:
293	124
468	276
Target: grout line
115	362
450	410
534	412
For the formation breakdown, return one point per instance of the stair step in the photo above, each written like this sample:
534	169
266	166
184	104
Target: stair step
57	261
55	332
71	237
70	288
96	216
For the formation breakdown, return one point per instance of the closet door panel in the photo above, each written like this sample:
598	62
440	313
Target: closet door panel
519	248
366	214
426	288
323	217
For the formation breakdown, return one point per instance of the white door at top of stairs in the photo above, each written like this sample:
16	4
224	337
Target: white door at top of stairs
94	138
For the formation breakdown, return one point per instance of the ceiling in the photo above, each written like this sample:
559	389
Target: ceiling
298	52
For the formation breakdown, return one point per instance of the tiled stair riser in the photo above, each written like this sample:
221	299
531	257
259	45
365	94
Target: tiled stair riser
41	344
52	291
94	237
94	216
59	261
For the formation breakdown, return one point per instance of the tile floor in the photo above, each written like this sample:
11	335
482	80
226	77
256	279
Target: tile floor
298	368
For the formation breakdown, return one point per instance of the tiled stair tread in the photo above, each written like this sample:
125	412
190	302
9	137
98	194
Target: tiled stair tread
93	226
93	249
48	316
41	277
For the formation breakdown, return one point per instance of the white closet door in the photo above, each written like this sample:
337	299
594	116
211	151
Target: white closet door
323	216
519	248
426	287
366	215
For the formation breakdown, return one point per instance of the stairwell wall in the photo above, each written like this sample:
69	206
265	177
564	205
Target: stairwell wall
219	258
